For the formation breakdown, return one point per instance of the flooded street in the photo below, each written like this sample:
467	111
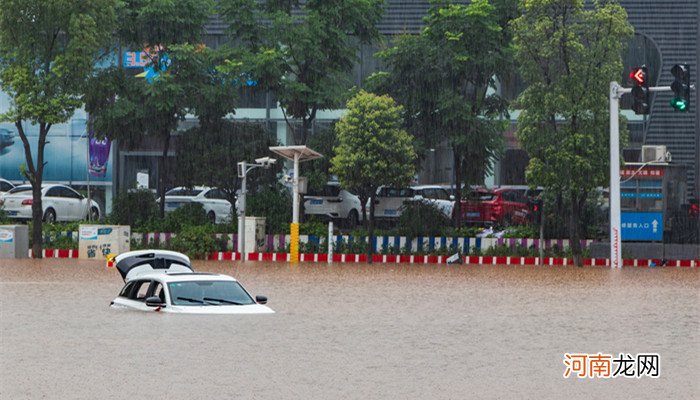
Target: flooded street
350	332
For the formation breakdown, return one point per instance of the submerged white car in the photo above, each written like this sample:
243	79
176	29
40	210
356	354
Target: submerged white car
164	281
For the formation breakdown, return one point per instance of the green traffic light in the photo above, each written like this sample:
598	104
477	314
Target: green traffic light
679	103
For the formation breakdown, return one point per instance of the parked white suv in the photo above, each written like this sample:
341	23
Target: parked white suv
389	201
334	203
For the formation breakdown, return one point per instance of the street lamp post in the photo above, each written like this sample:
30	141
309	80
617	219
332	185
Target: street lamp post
243	169
296	154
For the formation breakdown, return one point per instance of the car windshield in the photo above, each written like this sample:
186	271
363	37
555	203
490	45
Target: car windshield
208	293
19	189
183	192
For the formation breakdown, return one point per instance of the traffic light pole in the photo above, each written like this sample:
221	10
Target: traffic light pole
616	91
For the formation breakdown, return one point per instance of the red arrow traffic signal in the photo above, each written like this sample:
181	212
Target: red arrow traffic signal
639	76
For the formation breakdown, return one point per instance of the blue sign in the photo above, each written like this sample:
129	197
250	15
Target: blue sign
642	226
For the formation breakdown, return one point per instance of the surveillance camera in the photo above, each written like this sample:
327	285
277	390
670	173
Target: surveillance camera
266	161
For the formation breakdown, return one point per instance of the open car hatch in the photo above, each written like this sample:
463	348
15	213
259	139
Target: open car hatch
134	263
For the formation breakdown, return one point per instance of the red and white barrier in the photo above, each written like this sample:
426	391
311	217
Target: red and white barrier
414	259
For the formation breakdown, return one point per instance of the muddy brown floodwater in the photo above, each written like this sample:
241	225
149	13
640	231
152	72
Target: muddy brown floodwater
351	332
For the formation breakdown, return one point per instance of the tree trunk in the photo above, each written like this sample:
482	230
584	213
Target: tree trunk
574	231
163	174
363	207
35	175
370	230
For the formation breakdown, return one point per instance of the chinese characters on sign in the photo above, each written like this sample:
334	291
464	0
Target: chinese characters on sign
608	366
650	172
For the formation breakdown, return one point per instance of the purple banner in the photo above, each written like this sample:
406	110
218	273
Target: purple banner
99	156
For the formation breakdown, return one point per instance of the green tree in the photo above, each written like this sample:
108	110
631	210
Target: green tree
129	108
373	150
311	46
48	49
568	55
210	156
443	76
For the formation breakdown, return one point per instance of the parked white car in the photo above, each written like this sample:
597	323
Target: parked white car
59	203
164	281
334	203
5	187
213	200
389	201
437	196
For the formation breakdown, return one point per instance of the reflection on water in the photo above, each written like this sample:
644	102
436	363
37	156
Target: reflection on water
350	331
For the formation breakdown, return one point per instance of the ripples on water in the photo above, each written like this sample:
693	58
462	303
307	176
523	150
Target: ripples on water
350	332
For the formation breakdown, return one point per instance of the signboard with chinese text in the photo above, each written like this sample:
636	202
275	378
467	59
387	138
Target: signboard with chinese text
642	226
642	173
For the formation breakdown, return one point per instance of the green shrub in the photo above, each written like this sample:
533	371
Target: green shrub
315	228
195	241
61	242
422	219
189	214
275	205
137	208
522	231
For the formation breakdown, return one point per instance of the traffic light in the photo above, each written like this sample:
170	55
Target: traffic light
680	87
536	210
640	90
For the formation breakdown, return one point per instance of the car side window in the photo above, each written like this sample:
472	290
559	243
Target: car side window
140	291
159	291
69	193
126	290
5	187
54	192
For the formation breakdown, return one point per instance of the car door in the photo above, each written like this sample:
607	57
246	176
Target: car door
54	199
219	204
76	203
134	294
389	202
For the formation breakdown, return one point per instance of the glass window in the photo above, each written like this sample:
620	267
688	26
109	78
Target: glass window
54	192
183	192
126	289
69	193
198	293
5	187
23	188
140	291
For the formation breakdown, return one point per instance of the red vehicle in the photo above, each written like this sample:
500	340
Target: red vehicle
501	206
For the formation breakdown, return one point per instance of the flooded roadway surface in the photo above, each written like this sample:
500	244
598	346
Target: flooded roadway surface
351	332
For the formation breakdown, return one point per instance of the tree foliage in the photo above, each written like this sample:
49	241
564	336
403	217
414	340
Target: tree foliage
210	156
373	149
568	55
443	77
48	49
306	51
129	108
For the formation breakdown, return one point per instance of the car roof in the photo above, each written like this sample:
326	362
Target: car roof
420	187
192	188
173	277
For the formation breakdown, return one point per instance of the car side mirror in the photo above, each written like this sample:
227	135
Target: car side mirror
154	301
261	299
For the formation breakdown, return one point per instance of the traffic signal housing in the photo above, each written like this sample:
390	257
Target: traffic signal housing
640	90
536	210
680	87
